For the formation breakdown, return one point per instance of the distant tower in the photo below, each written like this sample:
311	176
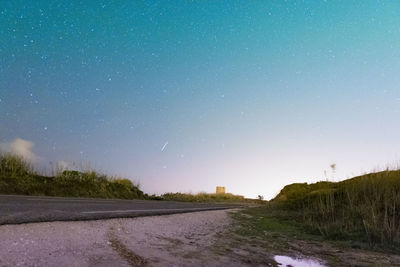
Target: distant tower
220	190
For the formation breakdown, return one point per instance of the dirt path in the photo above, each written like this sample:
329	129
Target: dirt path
172	240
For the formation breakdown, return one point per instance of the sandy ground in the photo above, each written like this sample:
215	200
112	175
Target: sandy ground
171	240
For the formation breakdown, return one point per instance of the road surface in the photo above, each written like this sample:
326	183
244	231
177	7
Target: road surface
26	209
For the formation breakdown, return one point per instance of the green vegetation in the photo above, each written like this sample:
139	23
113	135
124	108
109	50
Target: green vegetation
204	197
364	209
268	230
18	177
267	223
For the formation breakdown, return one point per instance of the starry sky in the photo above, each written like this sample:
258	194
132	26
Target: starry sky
187	95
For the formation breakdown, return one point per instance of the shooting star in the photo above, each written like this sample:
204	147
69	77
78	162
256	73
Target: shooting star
164	146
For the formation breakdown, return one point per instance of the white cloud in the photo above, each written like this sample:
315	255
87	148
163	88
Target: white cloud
21	148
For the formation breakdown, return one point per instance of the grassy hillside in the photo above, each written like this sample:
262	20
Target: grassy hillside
18	177
364	208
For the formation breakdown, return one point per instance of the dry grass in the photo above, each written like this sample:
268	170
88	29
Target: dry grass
365	208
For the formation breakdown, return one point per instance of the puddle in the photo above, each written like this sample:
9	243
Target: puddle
289	261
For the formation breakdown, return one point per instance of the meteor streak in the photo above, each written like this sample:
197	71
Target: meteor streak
164	146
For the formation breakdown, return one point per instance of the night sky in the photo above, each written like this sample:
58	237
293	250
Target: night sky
187	95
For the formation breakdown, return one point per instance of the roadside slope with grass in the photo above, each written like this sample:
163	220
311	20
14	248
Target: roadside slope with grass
18	177
364	208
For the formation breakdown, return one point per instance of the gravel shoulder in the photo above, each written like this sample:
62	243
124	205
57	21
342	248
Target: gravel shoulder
170	240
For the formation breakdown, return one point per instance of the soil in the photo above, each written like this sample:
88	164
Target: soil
209	238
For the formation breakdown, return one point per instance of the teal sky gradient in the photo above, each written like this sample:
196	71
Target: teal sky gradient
251	95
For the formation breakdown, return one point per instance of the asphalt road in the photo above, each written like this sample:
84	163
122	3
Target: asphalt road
26	209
